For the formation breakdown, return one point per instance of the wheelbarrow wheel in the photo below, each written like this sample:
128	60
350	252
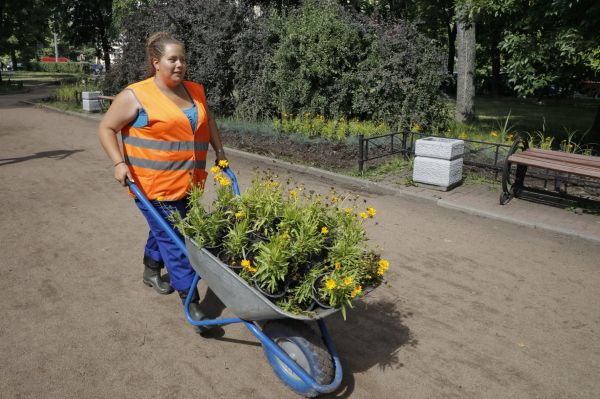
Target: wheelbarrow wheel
306	348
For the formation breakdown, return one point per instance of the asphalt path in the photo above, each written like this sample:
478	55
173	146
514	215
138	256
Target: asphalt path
472	307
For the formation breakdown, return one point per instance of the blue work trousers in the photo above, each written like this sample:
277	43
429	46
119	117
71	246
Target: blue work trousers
161	248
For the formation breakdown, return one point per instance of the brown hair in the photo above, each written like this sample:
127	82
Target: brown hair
155	47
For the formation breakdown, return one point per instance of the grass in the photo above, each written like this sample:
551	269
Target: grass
396	166
554	117
36	76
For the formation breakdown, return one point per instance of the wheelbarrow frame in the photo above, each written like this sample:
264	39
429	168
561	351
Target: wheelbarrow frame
267	342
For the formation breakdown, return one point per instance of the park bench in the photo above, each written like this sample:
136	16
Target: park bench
560	166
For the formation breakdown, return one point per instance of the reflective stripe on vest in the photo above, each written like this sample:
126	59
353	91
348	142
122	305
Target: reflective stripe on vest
166	155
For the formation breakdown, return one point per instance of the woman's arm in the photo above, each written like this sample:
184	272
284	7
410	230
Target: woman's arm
122	111
215	139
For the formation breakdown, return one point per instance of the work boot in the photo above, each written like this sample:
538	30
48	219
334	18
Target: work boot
152	277
195	312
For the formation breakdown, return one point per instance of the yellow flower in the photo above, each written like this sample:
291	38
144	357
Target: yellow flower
217	177
347	281
494	134
383	266
215	169
285	235
364	215
348	210
330	284
462	135
416	128
338	265
324	230
224	182
371	211
223	164
248	266
357	290
293	194
334	199
239	215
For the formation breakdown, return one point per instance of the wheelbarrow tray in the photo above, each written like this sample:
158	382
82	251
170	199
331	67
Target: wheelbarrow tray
244	301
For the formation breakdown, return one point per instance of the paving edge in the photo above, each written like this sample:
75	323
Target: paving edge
373	187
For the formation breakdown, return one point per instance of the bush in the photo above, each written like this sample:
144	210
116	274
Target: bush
315	62
61	67
399	81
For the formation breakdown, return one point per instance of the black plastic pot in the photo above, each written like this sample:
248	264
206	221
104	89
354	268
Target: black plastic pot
315	292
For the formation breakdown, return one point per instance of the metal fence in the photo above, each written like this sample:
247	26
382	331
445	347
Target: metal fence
480	154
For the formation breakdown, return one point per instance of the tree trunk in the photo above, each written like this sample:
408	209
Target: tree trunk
465	85
13	59
106	52
495	58
451	47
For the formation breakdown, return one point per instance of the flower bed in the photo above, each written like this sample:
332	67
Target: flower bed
298	248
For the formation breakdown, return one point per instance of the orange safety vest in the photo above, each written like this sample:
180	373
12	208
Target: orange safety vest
165	156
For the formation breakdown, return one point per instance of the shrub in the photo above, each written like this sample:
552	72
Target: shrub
400	79
61	67
315	61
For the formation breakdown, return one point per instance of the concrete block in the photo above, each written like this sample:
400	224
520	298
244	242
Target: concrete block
91	105
90	95
439	147
438	172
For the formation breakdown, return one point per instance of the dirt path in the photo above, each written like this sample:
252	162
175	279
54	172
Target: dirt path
474	308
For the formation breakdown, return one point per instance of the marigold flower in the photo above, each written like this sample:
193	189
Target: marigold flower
364	215
324	230
494	134
223	164
238	215
217	177
338	266
334	199
383	266
357	290
348	281
348	210
371	211
416	128
330	284
293	194
462	135
215	169
245	263
224	182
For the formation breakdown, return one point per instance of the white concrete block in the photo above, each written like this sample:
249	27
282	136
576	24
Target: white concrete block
439	147
90	95
437	172
91	105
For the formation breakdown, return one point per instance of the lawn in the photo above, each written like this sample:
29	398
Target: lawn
555	117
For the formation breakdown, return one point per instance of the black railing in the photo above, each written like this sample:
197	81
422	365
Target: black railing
481	154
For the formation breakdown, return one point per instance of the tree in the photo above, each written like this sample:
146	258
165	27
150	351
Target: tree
465	85
23	25
88	22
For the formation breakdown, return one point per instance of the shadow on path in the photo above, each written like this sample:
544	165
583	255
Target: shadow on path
56	154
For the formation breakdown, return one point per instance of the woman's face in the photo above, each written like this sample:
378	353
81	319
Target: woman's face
171	67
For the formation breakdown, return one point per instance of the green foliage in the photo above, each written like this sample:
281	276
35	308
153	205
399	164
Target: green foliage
61	67
315	60
309	125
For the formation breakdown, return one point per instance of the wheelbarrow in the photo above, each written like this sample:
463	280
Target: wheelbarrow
305	362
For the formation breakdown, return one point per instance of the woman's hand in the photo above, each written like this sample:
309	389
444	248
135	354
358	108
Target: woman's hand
121	172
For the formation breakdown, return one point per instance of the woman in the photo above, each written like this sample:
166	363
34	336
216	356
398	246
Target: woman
166	127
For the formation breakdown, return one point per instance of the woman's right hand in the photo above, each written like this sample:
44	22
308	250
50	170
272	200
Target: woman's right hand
121	172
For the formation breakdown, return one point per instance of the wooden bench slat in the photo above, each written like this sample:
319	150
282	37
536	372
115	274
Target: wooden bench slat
521	158
571	158
561	161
